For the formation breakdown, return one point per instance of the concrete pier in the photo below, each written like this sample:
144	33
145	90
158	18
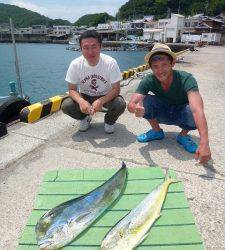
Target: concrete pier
30	150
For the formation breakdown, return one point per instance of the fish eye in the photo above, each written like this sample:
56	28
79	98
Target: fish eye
121	234
52	214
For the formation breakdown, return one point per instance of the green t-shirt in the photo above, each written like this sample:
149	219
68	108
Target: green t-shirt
177	92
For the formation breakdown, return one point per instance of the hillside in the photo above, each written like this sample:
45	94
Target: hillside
25	18
93	19
163	8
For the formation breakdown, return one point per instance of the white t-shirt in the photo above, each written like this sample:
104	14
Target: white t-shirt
94	80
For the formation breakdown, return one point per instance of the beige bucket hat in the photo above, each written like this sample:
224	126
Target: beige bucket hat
160	47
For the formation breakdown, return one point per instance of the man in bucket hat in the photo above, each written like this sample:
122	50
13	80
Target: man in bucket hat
175	101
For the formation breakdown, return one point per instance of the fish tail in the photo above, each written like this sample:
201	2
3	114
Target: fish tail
169	178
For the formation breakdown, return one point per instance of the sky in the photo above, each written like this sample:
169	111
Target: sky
69	10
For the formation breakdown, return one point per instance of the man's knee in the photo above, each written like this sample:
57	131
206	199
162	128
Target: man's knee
187	119
119	104
150	105
67	105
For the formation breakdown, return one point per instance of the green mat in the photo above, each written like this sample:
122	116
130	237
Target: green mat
174	230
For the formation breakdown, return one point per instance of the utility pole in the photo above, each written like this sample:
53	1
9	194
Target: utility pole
16	59
134	10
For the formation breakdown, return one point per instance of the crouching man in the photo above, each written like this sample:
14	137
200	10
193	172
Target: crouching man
175	101
94	82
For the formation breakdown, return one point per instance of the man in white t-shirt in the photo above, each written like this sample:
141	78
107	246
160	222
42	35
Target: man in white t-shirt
94	82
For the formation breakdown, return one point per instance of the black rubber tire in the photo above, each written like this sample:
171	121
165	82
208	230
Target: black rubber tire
11	107
3	129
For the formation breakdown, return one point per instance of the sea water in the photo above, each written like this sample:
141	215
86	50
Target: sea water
43	67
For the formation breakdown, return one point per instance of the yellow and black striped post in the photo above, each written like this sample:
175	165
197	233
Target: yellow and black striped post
39	110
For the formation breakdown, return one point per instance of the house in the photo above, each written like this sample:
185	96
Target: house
103	26
200	28
39	29
24	31
59	30
174	28
165	30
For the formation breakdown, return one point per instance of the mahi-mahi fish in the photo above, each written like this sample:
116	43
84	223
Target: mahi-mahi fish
63	223
133	228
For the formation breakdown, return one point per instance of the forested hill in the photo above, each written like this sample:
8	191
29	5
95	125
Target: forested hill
25	18
94	19
135	9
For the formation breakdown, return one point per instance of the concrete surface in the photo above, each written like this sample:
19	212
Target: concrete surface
30	150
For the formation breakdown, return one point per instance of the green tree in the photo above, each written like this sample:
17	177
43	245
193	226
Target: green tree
25	18
94	19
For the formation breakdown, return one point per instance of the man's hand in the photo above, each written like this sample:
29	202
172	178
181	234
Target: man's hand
139	110
96	106
203	153
135	105
85	107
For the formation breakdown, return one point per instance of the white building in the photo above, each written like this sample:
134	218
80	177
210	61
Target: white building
24	31
115	25
159	36
39	29
165	30
190	38
152	34
103	26
126	25
61	30
211	38
174	28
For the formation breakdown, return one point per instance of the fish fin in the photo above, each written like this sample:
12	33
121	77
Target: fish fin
124	230
127	225
168	177
79	218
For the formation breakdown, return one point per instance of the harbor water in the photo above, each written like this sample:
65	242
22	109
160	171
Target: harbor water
43	67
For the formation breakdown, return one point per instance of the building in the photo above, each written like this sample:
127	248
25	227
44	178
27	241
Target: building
174	28
24	31
39	29
61	30
165	30
103	26
115	25
200	28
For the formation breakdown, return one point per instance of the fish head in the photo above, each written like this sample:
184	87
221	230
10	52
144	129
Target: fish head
115	240
55	237
51	232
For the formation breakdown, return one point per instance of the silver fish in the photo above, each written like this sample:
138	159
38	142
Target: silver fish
62	224
130	231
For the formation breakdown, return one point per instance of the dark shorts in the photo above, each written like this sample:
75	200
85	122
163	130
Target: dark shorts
115	108
165	113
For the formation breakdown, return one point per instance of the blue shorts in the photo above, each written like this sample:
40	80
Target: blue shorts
170	114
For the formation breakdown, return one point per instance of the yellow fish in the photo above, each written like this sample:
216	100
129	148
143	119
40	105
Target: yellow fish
130	231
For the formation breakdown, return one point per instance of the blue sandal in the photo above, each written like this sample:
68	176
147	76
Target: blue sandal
188	144
151	135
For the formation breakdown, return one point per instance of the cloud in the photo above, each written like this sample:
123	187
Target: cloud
69	10
29	6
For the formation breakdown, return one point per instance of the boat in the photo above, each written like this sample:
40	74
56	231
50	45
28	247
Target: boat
73	43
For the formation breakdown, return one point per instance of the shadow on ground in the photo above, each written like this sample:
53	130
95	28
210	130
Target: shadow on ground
175	150
99	139
122	138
